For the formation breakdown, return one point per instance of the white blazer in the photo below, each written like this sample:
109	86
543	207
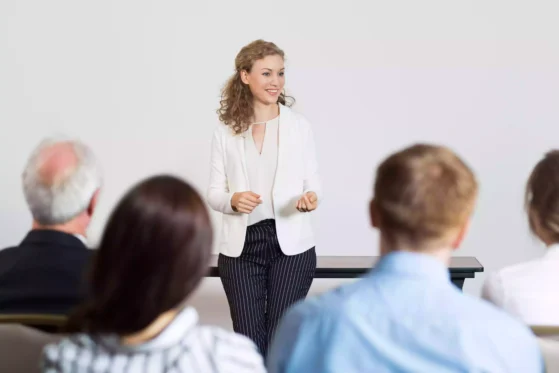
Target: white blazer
528	290
296	174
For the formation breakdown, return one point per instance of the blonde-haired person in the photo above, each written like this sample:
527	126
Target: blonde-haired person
406	315
528	290
264	179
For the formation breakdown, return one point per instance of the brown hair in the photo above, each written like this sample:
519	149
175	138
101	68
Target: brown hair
236	105
154	251
542	198
423	195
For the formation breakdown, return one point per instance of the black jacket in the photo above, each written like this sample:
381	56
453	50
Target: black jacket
44	274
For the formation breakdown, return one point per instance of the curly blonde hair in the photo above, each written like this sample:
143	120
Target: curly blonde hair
236	105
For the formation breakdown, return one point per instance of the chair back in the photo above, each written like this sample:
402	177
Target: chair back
21	348
550	353
43	322
546	331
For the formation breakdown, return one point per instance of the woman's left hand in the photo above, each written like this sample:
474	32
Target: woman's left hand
307	202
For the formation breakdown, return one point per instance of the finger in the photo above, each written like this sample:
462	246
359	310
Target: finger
307	201
311	205
312	197
248	203
247	208
303	205
253	199
252	194
244	210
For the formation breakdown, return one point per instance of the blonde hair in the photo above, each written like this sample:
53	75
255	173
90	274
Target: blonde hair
423	195
542	197
236	105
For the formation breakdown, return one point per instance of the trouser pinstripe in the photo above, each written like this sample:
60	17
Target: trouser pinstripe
263	282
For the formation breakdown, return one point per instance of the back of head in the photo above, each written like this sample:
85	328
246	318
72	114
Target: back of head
154	251
423	197
542	198
59	181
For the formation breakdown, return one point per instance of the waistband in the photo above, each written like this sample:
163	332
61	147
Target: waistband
264	223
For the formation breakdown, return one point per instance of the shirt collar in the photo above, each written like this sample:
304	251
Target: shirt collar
414	264
170	336
40	236
81	238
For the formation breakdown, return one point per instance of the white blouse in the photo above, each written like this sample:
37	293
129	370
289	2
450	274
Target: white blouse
261	170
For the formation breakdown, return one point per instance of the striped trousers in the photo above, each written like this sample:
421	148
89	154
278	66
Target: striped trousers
263	282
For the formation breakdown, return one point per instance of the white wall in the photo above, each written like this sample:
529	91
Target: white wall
139	81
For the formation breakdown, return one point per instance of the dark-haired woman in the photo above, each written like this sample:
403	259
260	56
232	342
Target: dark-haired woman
154	251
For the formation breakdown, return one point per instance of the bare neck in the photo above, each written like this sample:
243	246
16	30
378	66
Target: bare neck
72	227
152	330
442	254
265	112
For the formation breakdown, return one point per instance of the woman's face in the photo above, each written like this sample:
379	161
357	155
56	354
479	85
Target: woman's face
266	79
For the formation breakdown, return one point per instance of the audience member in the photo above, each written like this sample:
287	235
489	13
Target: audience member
529	290
155	250
406	315
44	273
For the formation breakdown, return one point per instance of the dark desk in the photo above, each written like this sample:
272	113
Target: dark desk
461	267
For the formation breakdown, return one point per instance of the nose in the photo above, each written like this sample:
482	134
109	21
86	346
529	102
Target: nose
274	80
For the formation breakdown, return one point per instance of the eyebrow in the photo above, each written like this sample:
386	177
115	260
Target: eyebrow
267	68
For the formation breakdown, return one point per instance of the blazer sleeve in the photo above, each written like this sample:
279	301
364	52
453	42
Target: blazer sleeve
218	195
312	181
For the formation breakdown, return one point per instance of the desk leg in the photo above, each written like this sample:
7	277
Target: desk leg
459	282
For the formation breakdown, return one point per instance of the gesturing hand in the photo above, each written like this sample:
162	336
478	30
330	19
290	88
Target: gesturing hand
307	202
245	202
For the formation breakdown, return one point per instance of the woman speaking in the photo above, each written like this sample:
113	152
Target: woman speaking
264	179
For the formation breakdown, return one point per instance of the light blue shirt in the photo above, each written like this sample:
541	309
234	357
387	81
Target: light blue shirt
404	316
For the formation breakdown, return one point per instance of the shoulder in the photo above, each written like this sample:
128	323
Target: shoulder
230	348
12	255
332	306
295	117
521	269
223	130
10	251
490	331
322	321
217	335
67	347
478	314
221	135
509	278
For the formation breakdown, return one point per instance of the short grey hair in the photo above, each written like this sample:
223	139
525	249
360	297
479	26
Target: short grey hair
60	202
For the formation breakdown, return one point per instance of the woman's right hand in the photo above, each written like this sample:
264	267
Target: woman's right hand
245	202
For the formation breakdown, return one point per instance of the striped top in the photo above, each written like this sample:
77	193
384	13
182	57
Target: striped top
183	346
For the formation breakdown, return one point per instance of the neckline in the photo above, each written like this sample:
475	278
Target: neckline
171	335
250	137
266	122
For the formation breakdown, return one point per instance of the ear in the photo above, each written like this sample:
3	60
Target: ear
373	214
93	203
244	76
460	237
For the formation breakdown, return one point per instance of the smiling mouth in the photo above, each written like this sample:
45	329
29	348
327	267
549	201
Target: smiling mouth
272	91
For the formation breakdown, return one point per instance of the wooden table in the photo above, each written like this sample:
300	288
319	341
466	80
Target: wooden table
461	267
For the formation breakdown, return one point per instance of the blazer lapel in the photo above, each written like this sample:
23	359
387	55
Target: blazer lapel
283	139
